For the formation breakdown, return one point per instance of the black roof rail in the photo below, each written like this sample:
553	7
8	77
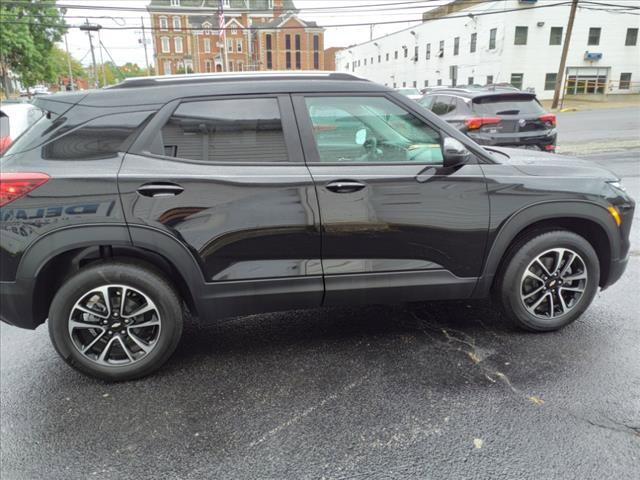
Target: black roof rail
190	79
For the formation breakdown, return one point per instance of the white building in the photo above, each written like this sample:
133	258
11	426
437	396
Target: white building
496	41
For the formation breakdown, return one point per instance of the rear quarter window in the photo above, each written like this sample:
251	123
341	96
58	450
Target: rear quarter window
100	138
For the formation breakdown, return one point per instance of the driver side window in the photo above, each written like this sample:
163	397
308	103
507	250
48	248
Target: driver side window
370	130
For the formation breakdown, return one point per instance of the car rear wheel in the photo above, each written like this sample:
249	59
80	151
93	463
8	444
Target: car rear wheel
116	321
549	280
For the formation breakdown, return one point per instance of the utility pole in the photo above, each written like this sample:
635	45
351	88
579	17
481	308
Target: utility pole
71	81
565	51
144	42
88	27
104	72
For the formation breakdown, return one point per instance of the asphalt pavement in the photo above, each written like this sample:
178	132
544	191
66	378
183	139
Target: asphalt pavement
440	390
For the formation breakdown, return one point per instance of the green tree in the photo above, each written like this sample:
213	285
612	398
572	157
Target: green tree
60	64
29	30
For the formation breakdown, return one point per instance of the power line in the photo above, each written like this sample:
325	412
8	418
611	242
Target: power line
359	24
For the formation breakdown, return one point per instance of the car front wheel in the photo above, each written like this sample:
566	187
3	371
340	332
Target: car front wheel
549	280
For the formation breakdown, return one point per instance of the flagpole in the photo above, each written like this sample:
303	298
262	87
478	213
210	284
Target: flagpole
223	34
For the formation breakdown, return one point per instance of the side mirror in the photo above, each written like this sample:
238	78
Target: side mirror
455	153
361	136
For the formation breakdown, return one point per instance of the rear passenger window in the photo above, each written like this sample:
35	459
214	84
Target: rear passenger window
441	105
238	130
101	138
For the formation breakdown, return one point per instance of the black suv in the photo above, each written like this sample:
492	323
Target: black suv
496	116
126	209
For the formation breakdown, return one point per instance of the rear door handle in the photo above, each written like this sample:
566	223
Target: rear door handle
160	190
344	186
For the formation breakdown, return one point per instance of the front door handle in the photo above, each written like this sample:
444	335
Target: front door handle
344	186
160	190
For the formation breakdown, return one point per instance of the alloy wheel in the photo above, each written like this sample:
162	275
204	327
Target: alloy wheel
114	325
553	283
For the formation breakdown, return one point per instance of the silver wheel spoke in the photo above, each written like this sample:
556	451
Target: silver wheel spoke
91	312
123	294
105	296
544	268
563	305
126	350
560	254
95	340
529	273
150	323
552	306
572	289
578	276
144	346
568	264
103	355
73	324
140	311
538	302
529	295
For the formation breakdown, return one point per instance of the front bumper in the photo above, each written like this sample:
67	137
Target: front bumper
616	269
16	305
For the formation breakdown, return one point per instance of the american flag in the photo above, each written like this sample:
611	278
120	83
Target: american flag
221	21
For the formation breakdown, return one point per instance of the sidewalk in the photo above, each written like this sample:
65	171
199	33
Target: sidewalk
595	102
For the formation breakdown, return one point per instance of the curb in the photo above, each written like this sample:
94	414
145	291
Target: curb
570	109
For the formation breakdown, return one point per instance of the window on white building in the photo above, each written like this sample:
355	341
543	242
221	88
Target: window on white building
164	23
555	37
521	36
456	45
550	81
387	57
489	79
493	33
473	41
441	49
178	44
426	83
632	37
470	81
226	3
165	44
175	3
428	50
416	53
594	36
517	80
395	55
625	81
177	24
207	45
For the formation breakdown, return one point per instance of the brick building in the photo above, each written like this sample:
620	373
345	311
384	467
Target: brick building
259	35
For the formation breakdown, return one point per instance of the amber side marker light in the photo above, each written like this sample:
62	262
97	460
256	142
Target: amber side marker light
615	214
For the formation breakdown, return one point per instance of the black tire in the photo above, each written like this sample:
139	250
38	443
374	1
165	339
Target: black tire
509	283
142	278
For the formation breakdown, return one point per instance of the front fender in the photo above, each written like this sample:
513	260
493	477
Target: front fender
540	212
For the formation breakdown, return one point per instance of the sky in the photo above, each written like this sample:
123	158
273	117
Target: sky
124	46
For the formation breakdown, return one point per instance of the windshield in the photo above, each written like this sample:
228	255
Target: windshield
507	105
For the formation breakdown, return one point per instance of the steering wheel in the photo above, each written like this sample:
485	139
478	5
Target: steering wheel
372	153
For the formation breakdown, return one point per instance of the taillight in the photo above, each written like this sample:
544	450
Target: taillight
4	144
474	123
549	119
16	185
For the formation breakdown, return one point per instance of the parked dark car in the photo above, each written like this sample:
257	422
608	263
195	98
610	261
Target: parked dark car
495	116
124	209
